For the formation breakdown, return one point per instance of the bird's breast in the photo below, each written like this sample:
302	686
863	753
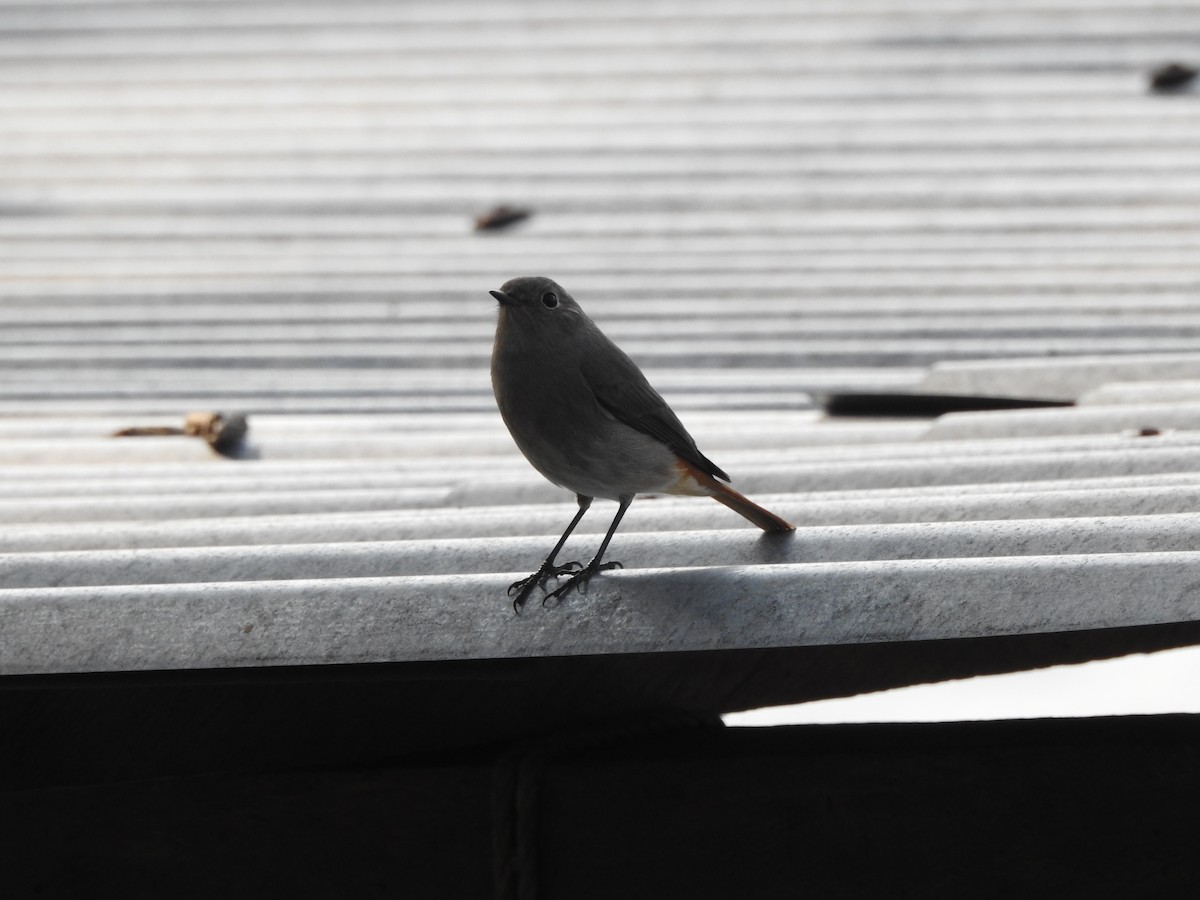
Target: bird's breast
562	430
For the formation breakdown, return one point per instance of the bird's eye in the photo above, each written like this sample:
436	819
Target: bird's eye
550	300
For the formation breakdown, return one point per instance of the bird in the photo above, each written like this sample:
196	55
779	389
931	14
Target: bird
586	418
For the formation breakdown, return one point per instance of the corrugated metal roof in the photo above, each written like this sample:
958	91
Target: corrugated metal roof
268	209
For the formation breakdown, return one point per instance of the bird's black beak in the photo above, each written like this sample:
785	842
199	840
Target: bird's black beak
504	299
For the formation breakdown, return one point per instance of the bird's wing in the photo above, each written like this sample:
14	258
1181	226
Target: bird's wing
623	391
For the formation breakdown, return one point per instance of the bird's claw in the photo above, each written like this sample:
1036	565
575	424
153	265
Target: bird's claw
580	579
524	587
541	576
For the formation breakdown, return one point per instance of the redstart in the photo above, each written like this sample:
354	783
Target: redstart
585	417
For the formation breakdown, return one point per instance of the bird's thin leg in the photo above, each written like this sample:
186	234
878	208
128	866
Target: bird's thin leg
548	569
580	578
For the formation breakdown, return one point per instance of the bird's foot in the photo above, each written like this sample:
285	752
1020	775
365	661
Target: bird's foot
580	579
525	586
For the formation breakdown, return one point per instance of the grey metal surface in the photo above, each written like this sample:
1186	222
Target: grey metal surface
268	208
677	549
452	617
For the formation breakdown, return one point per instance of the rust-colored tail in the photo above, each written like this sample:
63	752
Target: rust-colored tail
700	482
763	518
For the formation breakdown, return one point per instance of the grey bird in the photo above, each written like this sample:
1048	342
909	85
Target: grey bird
585	417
